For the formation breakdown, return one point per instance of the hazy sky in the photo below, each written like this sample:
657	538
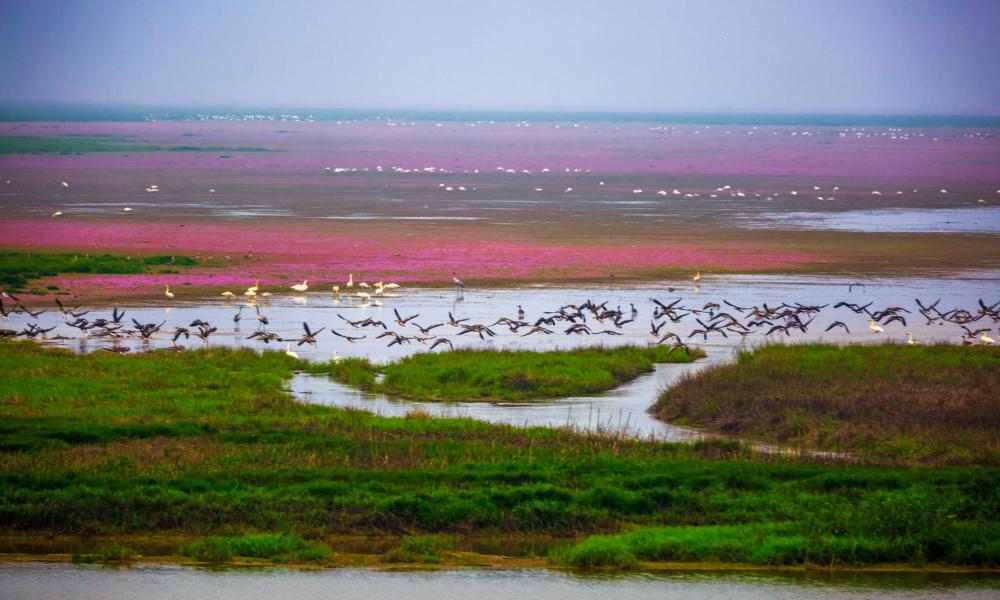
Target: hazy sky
795	55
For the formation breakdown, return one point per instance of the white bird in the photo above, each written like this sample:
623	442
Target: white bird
301	287
228	295
363	295
457	281
337	357
910	341
168	293
697	277
336	290
568	190
127	209
364	285
58	213
289	351
255	286
350	281
986	340
64	184
391	286
874	327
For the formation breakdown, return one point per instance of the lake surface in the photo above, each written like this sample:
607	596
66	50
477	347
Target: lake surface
31	581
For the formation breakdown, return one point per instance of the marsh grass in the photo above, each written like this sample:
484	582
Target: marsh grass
505	375
419	549
790	543
206	443
920	404
109	554
278	548
18	268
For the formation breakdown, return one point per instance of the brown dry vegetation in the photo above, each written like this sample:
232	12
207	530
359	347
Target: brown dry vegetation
927	405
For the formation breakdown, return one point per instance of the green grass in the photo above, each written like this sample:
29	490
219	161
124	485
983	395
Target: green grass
111	553
862	542
418	549
18	144
505	375
17	269
206	443
919	404
284	548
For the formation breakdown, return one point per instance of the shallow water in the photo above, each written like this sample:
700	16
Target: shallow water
624	408
970	219
622	411
150	582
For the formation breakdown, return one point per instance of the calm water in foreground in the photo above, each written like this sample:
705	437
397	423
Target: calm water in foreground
149	582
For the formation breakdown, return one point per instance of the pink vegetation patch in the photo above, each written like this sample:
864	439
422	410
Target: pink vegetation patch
281	254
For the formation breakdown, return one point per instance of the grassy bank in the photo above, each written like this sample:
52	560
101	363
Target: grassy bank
505	375
920	404
205	443
17	269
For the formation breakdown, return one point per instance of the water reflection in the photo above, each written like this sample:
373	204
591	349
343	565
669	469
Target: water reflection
152	582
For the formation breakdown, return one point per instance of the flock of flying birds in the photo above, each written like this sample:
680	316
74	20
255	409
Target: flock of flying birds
573	319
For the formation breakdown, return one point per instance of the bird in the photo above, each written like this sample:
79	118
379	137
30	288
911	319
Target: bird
349	338
457	281
65	185
401	321
228	295
127	209
697	277
442	341
58	213
910	341
168	293
336	290
874	327
838	324
350	281
986	340
289	351
301	287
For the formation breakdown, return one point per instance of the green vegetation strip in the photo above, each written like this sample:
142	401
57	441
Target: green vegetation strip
18	268
919	404
206	443
505	375
17	144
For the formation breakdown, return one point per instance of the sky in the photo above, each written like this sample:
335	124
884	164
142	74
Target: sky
854	56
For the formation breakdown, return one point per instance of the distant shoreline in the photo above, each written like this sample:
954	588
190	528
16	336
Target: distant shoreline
23	112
